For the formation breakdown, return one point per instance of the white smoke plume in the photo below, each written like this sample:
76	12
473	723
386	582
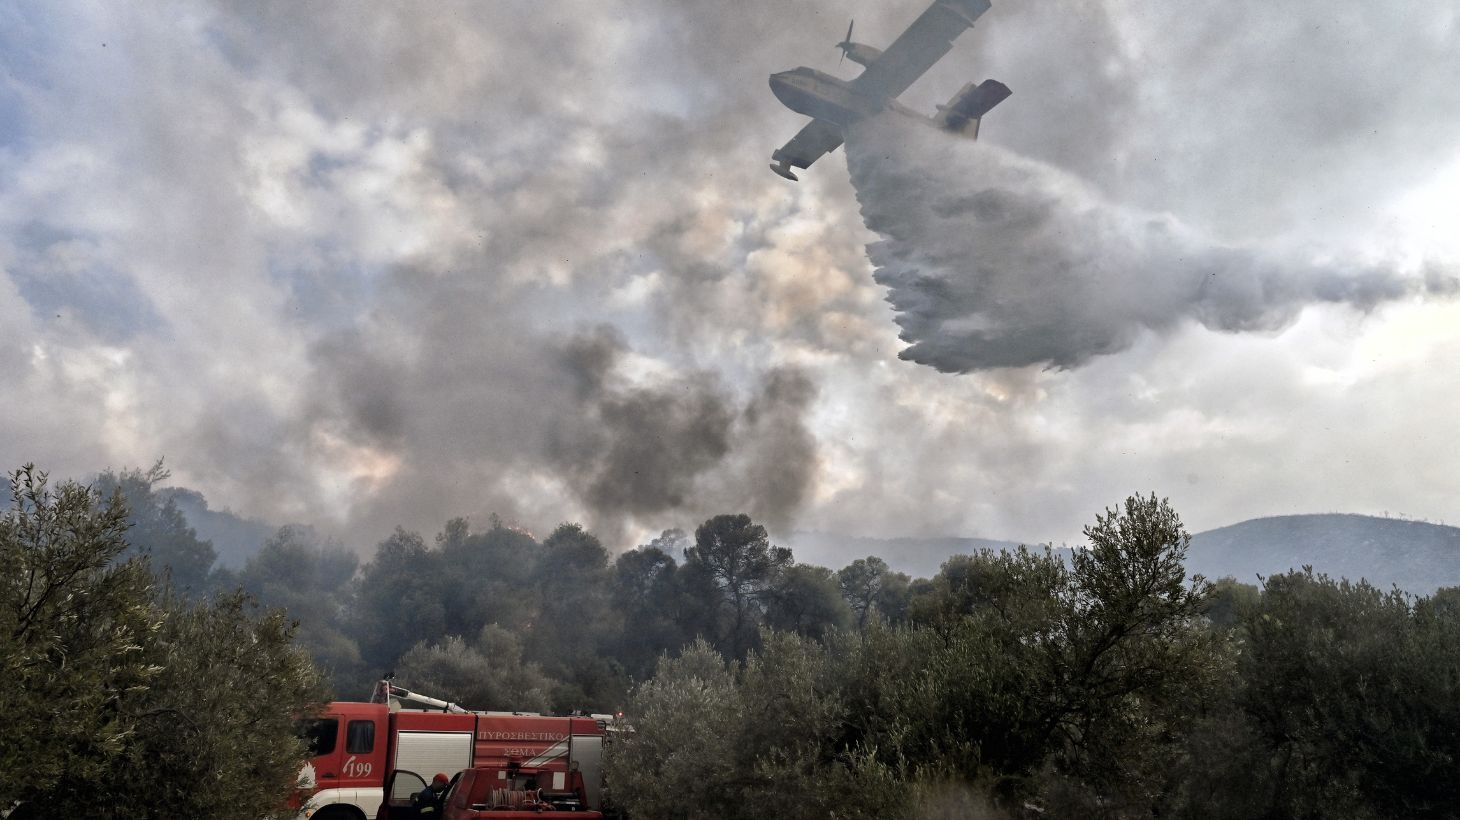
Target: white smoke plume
995	260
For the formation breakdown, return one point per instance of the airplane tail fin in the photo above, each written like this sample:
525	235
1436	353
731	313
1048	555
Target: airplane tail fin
962	113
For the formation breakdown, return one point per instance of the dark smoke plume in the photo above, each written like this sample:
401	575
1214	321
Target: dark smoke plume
780	458
681	444
639	449
993	260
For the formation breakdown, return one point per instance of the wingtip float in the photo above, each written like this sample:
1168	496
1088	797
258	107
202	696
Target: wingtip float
783	168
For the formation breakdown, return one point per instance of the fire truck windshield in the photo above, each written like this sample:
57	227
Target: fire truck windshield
320	732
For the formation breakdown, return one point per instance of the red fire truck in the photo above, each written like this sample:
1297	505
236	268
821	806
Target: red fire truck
359	747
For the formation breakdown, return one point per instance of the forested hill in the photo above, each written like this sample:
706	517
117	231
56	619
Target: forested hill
235	539
1416	556
918	557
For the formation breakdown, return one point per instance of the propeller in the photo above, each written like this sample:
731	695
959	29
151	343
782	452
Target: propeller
846	44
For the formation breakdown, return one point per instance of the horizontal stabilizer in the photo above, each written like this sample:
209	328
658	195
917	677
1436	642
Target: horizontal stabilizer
974	102
962	113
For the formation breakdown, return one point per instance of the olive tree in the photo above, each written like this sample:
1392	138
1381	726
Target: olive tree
123	702
74	626
213	733
680	761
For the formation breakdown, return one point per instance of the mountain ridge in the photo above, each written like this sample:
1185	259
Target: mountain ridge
1416	556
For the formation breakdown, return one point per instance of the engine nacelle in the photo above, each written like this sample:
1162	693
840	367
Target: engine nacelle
860	53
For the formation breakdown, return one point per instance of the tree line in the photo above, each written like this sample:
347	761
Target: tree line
498	619
1110	685
1106	683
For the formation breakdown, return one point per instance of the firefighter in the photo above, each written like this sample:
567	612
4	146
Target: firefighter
428	802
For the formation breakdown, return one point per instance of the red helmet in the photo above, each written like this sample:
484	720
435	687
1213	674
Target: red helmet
440	778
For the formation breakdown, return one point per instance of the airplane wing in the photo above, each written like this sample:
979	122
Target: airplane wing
817	138
924	43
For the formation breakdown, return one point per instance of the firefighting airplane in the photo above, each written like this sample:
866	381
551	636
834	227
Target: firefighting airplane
833	104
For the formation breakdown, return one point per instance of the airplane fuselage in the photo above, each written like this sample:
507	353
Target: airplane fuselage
824	97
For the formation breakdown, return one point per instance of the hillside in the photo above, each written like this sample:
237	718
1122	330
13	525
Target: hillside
1416	556
234	538
918	557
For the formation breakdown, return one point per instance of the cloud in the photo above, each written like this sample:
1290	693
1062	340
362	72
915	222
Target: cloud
333	264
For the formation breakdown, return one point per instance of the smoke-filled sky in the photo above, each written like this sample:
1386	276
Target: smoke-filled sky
360	266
